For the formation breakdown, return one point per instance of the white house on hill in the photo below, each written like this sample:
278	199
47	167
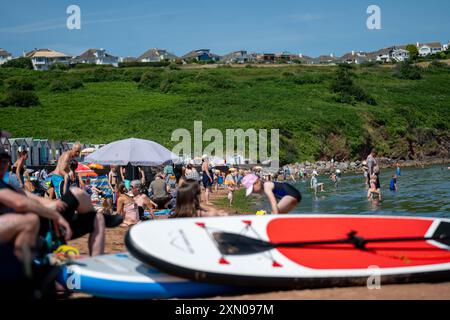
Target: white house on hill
42	59
4	56
156	55
429	48
97	56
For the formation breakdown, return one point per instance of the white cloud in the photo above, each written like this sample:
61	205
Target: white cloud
60	23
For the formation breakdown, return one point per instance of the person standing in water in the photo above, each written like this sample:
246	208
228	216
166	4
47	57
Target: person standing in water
314	184
393	183
398	170
374	169
282	197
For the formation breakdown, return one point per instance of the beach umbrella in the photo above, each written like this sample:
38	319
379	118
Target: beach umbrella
88	174
87	151
138	152
96	166
81	168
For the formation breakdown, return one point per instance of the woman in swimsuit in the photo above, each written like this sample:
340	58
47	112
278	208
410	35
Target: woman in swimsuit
282	197
127	208
207	178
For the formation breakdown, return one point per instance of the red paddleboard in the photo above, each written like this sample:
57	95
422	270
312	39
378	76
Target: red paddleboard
294	251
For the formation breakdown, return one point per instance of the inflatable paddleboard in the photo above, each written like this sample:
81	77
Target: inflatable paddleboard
121	276
292	251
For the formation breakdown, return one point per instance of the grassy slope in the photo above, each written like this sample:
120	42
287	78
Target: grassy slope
244	98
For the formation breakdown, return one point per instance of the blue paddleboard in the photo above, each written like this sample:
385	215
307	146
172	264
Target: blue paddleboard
120	276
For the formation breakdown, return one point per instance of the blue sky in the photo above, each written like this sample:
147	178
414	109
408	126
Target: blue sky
128	28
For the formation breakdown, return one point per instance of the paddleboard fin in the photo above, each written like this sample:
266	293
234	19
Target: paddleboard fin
443	232
235	244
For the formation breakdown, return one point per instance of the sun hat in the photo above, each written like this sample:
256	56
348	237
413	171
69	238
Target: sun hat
248	181
315	173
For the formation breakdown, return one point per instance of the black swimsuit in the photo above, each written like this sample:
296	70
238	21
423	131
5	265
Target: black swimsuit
281	190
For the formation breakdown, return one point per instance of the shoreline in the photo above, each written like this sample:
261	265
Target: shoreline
356	166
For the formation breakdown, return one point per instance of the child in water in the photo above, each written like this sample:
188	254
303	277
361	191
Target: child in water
373	190
282	197
393	183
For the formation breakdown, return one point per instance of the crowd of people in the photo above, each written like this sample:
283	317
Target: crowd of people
34	224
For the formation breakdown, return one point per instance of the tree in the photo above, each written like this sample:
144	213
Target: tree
413	52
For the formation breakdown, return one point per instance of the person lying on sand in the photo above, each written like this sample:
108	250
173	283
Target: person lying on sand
282	197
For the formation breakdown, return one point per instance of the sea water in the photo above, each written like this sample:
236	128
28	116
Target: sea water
421	192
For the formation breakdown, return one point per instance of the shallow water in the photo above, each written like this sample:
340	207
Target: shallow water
422	192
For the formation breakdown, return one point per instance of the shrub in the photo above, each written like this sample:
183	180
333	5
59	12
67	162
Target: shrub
407	71
74	83
143	64
85	66
346	90
59	66
19	83
150	80
59	86
370	64
173	66
21	63
20	98
168	80
133	74
437	65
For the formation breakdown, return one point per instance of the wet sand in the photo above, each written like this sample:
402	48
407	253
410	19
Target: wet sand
437	291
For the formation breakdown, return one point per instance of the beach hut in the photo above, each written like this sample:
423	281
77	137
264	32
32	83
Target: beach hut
4	142
16	143
66	146
43	151
56	149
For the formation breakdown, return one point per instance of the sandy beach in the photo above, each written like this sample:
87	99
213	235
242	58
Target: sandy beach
421	291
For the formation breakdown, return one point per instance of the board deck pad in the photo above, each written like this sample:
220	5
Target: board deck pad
121	276
191	248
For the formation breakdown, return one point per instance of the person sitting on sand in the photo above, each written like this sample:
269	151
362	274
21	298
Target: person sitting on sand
159	191
191	173
141	199
188	202
314	184
282	197
127	207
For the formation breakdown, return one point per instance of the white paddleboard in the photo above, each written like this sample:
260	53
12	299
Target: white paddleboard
193	248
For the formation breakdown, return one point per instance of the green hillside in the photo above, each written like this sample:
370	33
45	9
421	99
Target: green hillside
410	117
